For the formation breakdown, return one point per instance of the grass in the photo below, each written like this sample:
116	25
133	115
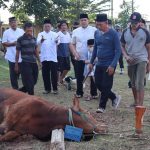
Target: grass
120	122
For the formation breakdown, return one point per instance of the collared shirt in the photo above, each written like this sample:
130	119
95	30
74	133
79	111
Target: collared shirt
135	44
63	47
27	46
80	37
10	36
49	46
106	48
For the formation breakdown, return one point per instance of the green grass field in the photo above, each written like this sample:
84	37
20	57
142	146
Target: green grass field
120	122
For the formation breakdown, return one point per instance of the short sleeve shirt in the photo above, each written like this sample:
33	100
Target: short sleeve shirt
135	45
63	47
80	37
10	36
27	46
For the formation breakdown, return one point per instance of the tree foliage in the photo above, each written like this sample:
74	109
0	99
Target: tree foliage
3	3
57	9
124	15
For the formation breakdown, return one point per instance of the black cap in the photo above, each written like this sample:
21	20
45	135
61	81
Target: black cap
47	21
101	18
76	23
90	42
12	19
135	17
83	16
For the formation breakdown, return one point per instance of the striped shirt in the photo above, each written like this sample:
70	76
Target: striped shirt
27	46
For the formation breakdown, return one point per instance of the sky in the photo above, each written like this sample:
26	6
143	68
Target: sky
143	6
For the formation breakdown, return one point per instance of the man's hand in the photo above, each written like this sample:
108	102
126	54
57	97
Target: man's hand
130	59
90	67
86	61
77	56
110	70
16	68
148	68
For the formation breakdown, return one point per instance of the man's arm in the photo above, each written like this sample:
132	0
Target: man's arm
148	51
5	41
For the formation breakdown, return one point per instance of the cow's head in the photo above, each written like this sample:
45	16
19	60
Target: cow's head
83	119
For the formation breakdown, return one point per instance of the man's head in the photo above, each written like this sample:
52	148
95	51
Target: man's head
63	25
13	22
47	25
28	28
117	28
135	20
102	22
90	44
76	25
84	21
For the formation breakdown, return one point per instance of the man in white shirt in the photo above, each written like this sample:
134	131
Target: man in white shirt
79	41
9	39
48	40
63	50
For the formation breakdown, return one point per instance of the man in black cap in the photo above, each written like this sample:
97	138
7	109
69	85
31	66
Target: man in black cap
107	49
136	50
48	40
9	41
79	41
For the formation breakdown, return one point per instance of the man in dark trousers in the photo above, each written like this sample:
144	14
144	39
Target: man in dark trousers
107	49
27	46
9	41
79	41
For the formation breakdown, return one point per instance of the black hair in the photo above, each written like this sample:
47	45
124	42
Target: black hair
27	25
62	22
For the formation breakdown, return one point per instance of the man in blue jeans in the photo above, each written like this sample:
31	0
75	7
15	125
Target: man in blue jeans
107	49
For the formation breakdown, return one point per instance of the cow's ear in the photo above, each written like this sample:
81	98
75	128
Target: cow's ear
76	104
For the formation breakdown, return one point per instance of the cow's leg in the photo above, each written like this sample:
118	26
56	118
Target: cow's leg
9	136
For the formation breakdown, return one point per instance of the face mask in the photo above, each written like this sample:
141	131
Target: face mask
90	49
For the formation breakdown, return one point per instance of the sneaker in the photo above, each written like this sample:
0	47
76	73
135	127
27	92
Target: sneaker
78	96
100	110
55	92
116	101
46	92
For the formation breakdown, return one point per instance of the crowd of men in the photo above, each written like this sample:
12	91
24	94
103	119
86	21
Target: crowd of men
94	51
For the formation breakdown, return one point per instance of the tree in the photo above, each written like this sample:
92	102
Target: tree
3	3
124	15
40	9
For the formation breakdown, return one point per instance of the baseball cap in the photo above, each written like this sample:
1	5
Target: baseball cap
135	17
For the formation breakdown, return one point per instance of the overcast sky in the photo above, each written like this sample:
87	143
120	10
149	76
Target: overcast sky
143	6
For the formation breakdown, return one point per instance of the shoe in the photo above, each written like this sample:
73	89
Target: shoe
55	92
88	98
46	92
116	101
78	96
95	97
100	110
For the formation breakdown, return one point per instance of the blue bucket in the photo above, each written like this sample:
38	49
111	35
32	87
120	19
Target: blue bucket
73	133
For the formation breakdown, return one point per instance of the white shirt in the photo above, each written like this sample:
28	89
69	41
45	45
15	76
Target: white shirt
10	36
80	37
49	46
64	38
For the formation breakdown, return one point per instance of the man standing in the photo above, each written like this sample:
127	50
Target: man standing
107	49
63	51
79	41
136	50
9	41
27	46
48	43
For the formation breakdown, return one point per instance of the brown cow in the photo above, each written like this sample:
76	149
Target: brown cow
25	114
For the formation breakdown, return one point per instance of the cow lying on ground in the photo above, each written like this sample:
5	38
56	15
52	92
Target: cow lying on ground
24	114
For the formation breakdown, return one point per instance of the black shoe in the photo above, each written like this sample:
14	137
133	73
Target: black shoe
46	92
